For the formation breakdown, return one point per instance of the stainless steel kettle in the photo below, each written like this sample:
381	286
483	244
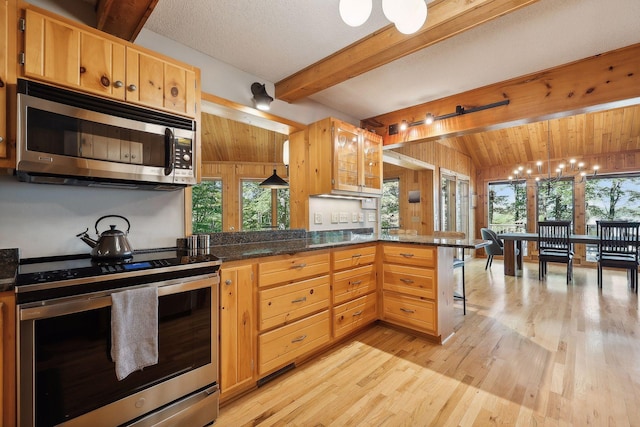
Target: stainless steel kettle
111	244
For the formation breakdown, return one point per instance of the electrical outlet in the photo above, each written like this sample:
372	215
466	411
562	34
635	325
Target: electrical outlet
354	216
360	217
371	217
344	217
335	217
317	218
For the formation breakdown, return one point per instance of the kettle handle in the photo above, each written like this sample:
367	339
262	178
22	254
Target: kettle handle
115	216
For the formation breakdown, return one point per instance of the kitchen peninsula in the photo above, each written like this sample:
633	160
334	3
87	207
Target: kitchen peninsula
288	295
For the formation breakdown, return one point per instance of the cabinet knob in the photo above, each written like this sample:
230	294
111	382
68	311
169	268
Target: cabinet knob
1	139
228	282
132	88
118	84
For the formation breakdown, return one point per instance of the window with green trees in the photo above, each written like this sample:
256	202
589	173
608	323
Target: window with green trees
264	208
206	206
390	204
508	206
610	198
555	200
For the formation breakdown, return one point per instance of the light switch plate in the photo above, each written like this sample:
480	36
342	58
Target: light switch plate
335	217
317	218
344	217
354	216
360	217
371	217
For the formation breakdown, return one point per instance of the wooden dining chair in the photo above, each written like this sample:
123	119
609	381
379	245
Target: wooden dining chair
458	262
554	246
618	248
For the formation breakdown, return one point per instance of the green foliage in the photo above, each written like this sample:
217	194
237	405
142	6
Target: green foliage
555	200
257	203
390	204
612	198
206	206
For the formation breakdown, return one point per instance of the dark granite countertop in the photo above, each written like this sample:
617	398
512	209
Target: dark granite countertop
8	268
236	246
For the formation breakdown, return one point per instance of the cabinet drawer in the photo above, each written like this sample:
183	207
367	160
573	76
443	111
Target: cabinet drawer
419	256
292	268
411	312
353	283
354	314
419	282
287	303
282	345
348	258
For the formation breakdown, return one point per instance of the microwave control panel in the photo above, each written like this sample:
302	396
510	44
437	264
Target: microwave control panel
184	158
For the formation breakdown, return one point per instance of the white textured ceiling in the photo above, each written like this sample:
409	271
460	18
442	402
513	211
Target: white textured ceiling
273	39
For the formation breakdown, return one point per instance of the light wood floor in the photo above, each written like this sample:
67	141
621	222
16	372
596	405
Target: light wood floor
527	353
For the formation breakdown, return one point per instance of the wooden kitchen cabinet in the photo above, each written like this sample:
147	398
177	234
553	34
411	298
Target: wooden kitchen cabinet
4	76
61	53
64	53
410	286
237	340
354	288
344	159
157	83
8	359
293	308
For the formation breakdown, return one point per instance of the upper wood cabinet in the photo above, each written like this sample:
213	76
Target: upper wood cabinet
83	58
344	159
4	49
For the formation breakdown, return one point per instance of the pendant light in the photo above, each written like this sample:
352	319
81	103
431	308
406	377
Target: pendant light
274	181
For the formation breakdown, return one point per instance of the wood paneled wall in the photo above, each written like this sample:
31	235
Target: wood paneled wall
231	173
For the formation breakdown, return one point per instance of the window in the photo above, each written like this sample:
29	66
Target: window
390	204
454	193
508	207
264	208
610	198
206	206
555	200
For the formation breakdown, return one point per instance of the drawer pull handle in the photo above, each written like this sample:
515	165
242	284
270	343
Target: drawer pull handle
408	281
300	338
303	299
357	313
228	282
406	310
299	266
356	282
407	255
356	256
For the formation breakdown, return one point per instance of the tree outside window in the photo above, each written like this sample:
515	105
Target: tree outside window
555	200
264	208
390	204
206	207
508	206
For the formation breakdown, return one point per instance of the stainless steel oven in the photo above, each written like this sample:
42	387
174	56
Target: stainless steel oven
66	375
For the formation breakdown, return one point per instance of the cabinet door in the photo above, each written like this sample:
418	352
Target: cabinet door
8	361
4	47
346	170
236	326
101	66
52	50
371	178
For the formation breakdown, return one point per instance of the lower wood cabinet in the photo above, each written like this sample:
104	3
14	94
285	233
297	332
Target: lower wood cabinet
7	359
282	345
415	313
353	315
237	340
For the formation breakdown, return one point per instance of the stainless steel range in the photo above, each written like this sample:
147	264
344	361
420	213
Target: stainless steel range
66	374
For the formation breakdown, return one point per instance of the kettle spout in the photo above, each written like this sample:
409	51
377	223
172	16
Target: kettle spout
88	240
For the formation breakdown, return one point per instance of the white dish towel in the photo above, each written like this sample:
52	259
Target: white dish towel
134	330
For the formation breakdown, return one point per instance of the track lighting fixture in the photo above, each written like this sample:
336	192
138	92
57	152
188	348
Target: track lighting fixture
260	96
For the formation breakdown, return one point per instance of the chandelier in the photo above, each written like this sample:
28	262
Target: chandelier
563	169
407	15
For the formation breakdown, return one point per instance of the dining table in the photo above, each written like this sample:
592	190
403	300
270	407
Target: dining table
513	241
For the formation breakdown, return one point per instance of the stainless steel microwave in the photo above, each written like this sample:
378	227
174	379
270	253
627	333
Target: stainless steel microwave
65	137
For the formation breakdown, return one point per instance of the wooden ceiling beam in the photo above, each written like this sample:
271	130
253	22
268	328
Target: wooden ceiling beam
445	19
123	18
605	81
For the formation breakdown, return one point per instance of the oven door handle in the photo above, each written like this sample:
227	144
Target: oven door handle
103	299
